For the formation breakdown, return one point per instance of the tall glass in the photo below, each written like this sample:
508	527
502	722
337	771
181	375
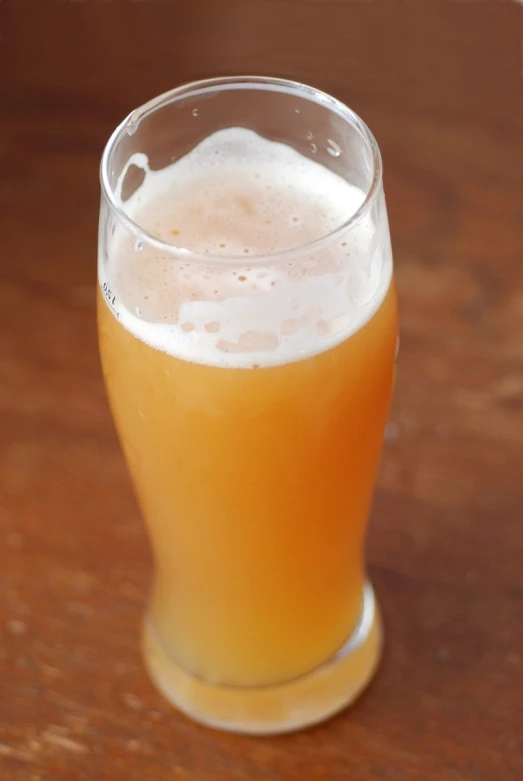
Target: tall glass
247	326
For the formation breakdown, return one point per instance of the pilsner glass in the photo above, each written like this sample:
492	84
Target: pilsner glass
247	327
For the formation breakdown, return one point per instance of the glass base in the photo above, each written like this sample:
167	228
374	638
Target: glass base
280	708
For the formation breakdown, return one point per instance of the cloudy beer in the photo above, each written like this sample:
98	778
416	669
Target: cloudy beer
250	377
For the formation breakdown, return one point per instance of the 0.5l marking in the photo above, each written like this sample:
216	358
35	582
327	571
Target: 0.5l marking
110	297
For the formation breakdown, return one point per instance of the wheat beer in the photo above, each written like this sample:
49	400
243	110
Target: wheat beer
250	398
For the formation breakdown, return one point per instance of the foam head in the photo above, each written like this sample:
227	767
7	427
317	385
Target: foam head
241	196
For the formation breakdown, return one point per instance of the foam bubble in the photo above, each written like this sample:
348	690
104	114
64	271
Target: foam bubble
241	196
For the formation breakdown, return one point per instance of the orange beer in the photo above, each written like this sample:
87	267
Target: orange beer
250	398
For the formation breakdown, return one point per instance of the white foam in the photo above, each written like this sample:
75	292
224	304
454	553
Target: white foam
241	196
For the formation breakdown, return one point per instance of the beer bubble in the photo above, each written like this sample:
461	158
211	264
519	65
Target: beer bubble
131	125
333	148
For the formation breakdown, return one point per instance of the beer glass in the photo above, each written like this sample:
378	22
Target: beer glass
247	328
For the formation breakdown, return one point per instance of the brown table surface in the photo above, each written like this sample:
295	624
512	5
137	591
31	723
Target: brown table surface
440	84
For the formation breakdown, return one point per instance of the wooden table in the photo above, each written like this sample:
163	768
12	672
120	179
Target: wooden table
440	84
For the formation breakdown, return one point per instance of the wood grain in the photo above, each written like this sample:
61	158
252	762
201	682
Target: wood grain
440	84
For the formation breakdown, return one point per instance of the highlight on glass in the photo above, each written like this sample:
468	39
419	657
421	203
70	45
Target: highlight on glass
247	327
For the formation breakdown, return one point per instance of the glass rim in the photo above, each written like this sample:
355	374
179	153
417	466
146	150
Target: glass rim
131	122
